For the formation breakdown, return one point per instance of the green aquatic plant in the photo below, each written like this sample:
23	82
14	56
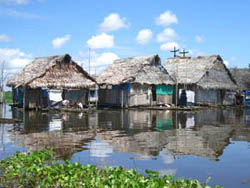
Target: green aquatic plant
40	169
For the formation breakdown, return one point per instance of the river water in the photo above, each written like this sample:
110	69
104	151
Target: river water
197	145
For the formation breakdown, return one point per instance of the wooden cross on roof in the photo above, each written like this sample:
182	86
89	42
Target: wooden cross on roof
174	51
183	52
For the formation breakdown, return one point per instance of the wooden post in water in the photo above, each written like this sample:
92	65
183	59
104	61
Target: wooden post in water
97	97
89	99
176	87
122	99
150	95
122	119
24	98
176	94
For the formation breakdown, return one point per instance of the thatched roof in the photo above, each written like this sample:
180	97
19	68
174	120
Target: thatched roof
55	72
142	70
207	72
242	77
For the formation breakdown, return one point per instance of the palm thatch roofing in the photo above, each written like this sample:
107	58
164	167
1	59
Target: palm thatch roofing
141	70
54	72
207	72
242	77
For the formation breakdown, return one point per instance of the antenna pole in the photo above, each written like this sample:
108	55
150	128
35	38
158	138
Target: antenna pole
89	60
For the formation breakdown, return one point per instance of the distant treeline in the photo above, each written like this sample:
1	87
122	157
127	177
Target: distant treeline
8	97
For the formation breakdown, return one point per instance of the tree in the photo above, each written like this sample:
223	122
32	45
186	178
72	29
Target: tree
3	76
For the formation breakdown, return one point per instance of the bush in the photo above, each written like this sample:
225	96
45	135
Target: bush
39	169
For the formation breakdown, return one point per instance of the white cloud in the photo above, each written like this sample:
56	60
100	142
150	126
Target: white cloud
98	62
226	63
199	39
60	41
18	14
5	38
113	22
14	59
167	35
105	58
169	46
15	1
100	149
144	36
101	41
166	18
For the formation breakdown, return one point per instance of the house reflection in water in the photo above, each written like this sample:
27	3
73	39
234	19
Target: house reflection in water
144	133
177	133
45	130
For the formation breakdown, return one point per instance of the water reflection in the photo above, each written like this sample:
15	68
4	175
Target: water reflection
158	140
145	133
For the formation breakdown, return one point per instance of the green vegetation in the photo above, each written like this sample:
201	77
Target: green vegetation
39	169
8	97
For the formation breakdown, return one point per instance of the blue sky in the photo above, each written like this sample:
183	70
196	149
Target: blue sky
119	29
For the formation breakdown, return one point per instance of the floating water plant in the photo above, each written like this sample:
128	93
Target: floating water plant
39	169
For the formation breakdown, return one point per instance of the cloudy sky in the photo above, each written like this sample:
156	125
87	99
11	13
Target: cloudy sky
118	29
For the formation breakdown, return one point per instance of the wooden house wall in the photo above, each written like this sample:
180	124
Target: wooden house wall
75	96
229	98
164	99
140	95
164	94
208	97
34	98
137	95
112	97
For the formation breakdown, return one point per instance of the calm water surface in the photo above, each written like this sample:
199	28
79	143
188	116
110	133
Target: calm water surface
196	145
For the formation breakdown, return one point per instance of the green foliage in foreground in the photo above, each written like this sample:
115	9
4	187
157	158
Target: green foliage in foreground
38	169
8	97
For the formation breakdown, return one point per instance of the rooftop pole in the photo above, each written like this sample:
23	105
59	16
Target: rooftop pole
89	59
89	89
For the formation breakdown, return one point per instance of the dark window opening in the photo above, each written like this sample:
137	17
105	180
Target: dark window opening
154	93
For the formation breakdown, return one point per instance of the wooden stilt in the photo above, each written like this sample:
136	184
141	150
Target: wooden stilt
176	94
150	97
24	98
96	97
122	99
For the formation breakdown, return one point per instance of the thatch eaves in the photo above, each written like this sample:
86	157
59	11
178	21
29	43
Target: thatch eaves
141	70
54	72
207	72
242	77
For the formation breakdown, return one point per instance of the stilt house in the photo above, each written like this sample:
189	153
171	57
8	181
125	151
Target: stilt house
206	79
49	80
136	81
